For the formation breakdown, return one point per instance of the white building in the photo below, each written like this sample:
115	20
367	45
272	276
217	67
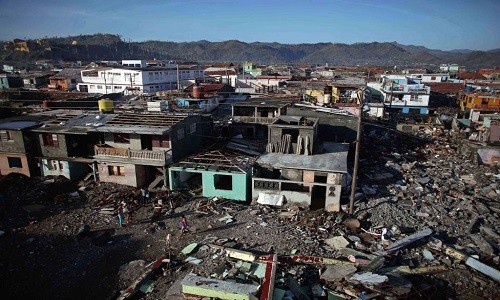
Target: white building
134	76
450	68
431	77
403	93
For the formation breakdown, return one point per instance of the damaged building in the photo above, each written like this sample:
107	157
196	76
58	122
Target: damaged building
66	143
298	167
135	149
18	147
251	117
222	172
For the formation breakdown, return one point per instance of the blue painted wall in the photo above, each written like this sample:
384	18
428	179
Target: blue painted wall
240	183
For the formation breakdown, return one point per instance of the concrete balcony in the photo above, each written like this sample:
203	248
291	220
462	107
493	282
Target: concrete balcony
144	157
408	89
257	120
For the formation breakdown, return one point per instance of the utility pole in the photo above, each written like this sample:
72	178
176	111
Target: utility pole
356	159
178	82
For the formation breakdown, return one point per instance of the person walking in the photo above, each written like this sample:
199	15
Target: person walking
143	193
120	214
126	213
183	224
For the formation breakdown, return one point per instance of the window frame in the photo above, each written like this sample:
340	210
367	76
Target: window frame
50	140
19	162
6	136
116	170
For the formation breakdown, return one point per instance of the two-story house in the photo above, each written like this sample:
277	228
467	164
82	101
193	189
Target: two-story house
10	81
65	80
475	104
136	149
18	147
67	143
297	167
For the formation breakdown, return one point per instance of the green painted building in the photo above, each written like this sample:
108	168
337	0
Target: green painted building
222	173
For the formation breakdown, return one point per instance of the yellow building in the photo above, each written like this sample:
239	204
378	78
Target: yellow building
480	101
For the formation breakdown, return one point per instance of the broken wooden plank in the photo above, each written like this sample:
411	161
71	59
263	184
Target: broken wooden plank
235	253
473	263
312	260
267	291
415	271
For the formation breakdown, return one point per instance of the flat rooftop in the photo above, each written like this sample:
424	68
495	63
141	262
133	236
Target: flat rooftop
147	123
19	125
295	121
263	102
74	122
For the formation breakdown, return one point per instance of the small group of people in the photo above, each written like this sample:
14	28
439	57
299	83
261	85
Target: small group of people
146	196
123	213
125	217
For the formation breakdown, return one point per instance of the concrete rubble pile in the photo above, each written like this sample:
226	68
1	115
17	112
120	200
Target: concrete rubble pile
425	225
354	262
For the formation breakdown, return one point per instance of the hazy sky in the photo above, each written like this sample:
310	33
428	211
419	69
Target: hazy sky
438	24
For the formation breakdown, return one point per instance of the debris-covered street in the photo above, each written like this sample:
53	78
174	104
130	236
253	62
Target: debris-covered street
425	227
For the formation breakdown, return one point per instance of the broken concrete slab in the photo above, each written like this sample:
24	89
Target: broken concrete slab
368	278
220	289
336	272
356	253
271	199
193	260
337	242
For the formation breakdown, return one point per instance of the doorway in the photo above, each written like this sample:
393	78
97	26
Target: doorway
318	197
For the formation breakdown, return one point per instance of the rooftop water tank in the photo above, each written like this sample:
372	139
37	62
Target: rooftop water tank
105	105
198	92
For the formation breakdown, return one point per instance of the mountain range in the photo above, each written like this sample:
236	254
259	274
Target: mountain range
113	47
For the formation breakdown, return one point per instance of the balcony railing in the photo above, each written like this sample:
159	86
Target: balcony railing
408	89
259	120
158	156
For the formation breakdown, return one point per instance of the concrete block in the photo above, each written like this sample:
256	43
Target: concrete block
219	289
